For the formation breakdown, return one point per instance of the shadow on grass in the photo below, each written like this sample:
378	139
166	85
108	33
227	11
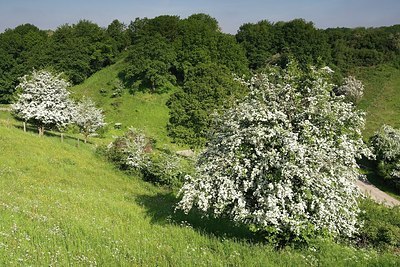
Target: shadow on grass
371	171
161	209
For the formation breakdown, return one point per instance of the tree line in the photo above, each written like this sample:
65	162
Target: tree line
190	56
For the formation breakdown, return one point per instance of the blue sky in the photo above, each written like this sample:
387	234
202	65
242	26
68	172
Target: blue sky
49	14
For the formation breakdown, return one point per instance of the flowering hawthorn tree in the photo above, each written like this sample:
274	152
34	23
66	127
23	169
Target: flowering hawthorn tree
352	89
88	118
44	100
284	160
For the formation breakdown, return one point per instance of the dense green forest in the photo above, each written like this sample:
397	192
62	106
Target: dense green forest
190	57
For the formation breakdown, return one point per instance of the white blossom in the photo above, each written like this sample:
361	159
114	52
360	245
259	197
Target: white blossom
44	100
352	89
88	118
284	158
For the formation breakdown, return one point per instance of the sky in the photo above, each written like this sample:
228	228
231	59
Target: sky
49	14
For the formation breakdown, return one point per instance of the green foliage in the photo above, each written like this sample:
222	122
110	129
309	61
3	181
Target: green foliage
20	51
165	48
258	42
166	168
118	32
341	48
301	39
267	43
363	47
150	62
208	88
80	50
381	225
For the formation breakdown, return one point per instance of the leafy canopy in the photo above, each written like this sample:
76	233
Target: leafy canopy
208	88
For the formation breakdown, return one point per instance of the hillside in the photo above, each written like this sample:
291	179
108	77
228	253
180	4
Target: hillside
62	205
144	111
381	99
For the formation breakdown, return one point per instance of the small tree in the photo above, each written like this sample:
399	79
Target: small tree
88	118
284	160
44	100
352	89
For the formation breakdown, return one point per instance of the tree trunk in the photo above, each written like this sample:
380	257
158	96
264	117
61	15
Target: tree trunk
78	141
24	126
62	138
41	130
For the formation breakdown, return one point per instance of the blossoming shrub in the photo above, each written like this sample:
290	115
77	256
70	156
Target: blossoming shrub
133	152
128	152
284	160
386	145
352	89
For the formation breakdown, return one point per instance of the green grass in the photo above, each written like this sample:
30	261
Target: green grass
381	99
63	205
144	111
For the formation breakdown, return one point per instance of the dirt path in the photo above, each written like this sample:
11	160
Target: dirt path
376	194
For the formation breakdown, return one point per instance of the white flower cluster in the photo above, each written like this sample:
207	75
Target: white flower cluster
88	117
44	100
284	158
131	147
352	89
386	145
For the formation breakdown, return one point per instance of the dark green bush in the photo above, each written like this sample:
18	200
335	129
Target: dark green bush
165	168
381	225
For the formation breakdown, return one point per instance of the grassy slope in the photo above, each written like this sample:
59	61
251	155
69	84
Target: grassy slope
62	205
381	98
141	110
